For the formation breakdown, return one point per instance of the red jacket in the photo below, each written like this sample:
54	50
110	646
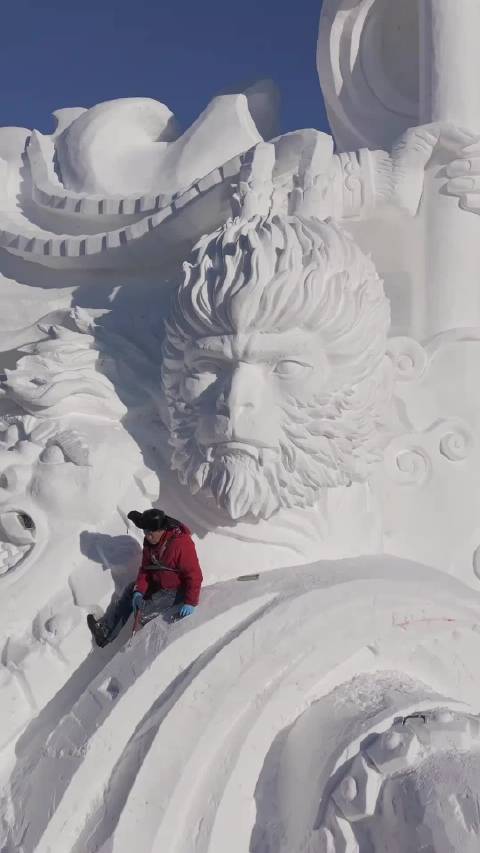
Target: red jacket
176	551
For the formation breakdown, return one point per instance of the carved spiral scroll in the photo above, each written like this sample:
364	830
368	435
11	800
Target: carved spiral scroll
409	358
412	466
410	459
456	444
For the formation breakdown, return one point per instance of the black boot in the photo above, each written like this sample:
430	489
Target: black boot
99	631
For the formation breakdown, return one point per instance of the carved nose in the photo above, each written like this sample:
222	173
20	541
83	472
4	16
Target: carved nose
245	391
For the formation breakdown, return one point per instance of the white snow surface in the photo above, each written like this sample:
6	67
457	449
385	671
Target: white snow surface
275	339
234	723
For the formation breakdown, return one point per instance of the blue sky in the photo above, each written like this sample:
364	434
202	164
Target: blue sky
59	53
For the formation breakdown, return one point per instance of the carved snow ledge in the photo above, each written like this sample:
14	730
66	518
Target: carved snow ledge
39	246
48	191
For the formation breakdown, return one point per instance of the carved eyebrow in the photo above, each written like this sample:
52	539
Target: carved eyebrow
269	348
254	353
73	444
279	354
207	351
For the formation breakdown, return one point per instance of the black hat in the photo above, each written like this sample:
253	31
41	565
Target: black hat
150	520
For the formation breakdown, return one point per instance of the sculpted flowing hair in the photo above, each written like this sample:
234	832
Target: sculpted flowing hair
272	274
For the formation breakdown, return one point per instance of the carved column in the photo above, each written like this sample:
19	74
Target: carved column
450	92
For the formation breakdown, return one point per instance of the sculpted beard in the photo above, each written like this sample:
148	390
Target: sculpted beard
255	482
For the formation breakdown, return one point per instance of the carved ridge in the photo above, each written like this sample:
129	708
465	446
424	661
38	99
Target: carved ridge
94	244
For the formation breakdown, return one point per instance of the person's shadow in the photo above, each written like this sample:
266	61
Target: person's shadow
119	555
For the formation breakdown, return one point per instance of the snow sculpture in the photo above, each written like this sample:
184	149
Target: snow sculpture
396	781
259	703
393	769
56	485
278	343
274	365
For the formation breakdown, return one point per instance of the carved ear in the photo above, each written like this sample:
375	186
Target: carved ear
136	517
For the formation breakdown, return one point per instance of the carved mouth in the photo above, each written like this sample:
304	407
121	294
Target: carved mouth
17	539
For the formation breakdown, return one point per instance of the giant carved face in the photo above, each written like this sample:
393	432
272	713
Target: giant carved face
55	480
66	464
274	365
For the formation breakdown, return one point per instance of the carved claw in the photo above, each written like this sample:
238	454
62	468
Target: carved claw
464	178
412	153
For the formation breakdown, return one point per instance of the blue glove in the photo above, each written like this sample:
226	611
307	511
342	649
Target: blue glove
186	610
138	601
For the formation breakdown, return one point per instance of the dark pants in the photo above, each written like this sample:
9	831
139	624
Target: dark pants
118	612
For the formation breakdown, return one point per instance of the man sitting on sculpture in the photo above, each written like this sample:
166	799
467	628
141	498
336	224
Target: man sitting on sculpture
168	581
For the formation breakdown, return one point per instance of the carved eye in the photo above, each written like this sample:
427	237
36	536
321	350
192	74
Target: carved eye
200	379
52	455
206	366
289	369
203	373
66	446
26	521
